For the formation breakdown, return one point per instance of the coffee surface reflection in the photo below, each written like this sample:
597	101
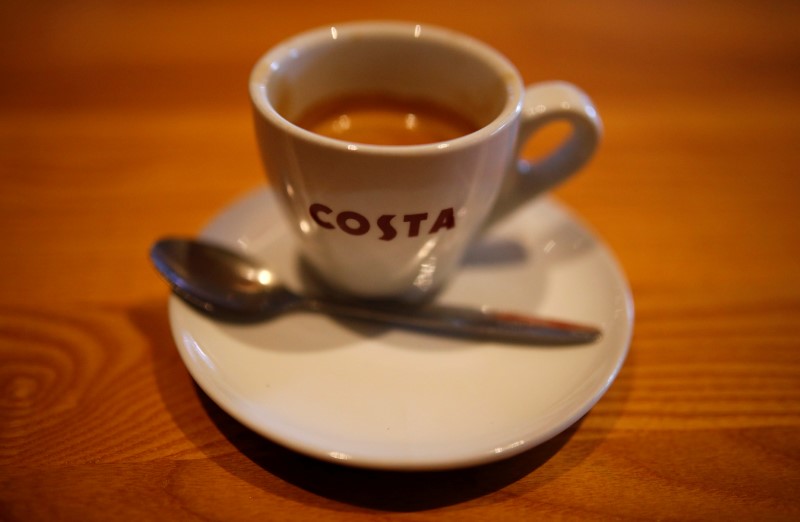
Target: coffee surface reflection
379	119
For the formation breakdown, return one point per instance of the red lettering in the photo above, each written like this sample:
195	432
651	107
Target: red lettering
315	210
344	218
385	224
446	219
356	224
414	221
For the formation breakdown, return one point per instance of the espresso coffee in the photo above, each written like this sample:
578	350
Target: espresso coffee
379	119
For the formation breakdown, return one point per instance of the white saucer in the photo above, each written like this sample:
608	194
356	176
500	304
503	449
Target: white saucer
379	397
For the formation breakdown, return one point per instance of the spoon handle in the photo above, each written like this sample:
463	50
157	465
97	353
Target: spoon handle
474	323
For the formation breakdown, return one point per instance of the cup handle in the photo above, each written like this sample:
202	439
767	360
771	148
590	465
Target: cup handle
544	103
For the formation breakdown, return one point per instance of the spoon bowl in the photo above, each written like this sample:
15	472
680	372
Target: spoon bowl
220	281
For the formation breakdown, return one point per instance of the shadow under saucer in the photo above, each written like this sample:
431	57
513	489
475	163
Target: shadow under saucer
400	491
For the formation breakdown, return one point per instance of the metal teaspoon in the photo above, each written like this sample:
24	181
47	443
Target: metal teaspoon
226	284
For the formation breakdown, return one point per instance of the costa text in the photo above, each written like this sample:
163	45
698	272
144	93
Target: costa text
390	225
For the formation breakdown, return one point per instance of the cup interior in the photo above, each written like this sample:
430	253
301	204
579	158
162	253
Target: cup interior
395	59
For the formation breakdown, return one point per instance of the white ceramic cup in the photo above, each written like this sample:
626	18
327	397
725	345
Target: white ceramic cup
393	222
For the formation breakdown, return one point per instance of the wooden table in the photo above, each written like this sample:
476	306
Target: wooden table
123	121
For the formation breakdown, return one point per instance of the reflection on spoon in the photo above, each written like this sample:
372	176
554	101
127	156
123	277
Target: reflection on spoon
225	284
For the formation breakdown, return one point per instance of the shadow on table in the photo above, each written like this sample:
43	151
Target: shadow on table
372	489
375	489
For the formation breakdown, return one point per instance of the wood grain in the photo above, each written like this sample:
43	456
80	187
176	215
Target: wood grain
124	121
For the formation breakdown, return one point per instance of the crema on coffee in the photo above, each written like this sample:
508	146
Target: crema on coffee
380	119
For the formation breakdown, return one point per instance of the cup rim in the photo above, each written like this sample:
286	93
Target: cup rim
264	68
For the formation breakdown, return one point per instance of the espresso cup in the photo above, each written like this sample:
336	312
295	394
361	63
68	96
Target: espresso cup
392	221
